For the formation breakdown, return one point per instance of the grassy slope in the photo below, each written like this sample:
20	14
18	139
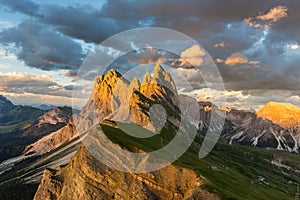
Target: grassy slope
238	167
12	127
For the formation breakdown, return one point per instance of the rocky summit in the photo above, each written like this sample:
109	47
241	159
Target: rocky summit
285	115
114	97
87	178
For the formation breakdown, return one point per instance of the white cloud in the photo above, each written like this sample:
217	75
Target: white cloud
219	60
265	21
274	14
220	45
7	55
21	83
236	58
194	55
247	100
6	24
295	98
254	62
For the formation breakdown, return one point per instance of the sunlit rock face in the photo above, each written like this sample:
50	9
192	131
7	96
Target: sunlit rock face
157	89
248	128
116	98
53	140
285	115
86	178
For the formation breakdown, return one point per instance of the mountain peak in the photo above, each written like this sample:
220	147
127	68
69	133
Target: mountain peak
147	78
135	83
284	114
160	73
3	99
113	72
5	105
160	77
158	70
288	106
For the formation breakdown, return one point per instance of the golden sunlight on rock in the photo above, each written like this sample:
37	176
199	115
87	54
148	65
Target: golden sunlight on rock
284	114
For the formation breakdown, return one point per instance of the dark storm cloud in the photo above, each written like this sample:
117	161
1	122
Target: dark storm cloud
81	22
209	22
41	47
195	18
248	77
24	6
206	21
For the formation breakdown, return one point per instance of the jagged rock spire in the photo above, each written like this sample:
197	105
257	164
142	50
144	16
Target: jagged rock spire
146	79
134	84
163	78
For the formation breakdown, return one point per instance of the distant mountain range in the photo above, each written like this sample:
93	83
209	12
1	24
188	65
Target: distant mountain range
44	106
233	170
248	128
23	125
11	114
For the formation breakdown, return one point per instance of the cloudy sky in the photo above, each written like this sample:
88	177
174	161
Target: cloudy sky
255	44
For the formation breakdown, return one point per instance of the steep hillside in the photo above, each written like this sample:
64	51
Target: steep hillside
93	180
12	116
53	140
14	142
5	105
246	128
231	172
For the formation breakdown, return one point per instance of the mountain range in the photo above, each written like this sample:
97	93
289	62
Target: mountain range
235	169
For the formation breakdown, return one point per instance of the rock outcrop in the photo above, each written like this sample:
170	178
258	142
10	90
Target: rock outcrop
158	89
115	98
87	178
53	140
49	122
248	128
285	115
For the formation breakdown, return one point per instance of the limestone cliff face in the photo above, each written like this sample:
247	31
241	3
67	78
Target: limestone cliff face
284	114
116	98
50	121
248	128
54	139
158	89
86	178
106	92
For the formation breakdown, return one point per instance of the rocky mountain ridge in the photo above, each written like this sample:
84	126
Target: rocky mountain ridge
87	178
93	179
248	128
285	115
118	99
5	105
